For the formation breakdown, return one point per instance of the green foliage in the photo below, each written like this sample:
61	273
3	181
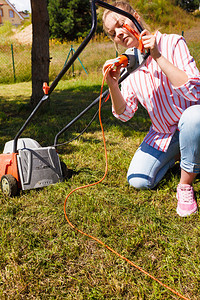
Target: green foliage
25	23
72	19
69	20
189	5
6	29
154	10
163	14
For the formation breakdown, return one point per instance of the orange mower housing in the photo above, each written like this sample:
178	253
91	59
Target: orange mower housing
9	174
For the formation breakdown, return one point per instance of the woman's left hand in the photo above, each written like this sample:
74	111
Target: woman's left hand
149	43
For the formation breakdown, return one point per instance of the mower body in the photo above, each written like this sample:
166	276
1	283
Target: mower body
24	163
8	165
31	167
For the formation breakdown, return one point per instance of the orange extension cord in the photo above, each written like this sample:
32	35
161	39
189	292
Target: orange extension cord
89	185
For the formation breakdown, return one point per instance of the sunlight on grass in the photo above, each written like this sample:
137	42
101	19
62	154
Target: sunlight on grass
40	253
41	256
10	91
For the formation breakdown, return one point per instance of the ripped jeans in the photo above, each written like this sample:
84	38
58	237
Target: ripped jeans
149	165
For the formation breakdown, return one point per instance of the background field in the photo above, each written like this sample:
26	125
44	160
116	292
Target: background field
41	257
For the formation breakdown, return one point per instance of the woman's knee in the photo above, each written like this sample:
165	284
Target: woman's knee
190	118
140	183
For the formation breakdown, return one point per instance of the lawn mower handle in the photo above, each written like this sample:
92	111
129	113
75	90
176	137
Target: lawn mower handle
91	33
74	57
96	101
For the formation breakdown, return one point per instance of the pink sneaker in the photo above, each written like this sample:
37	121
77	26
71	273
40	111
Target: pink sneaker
186	201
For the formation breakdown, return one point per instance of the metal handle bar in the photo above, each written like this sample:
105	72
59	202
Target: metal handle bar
74	57
104	95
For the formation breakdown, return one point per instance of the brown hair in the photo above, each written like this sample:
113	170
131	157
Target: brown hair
120	4
124	5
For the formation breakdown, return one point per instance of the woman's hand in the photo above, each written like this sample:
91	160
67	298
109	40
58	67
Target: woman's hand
112	75
149	42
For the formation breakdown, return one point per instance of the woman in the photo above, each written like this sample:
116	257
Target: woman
168	87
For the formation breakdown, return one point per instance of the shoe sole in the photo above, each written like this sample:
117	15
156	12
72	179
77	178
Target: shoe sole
186	214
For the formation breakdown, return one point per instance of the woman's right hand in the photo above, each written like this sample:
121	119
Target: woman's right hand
111	72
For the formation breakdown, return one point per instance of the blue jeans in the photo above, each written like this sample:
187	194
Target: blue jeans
149	165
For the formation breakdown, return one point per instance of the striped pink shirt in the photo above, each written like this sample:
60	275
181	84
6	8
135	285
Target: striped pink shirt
153	90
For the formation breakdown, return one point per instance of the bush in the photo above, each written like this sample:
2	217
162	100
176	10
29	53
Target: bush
6	29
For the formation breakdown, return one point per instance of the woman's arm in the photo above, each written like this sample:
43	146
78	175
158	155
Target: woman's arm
176	76
112	76
118	102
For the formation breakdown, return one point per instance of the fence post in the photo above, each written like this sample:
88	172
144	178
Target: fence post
13	62
73	51
73	74
80	61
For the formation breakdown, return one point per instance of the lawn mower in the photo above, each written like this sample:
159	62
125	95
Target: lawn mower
24	164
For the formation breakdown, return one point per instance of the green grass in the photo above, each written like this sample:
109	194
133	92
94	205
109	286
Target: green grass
195	52
42	257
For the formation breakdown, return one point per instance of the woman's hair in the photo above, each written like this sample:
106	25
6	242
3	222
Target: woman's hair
119	4
124	5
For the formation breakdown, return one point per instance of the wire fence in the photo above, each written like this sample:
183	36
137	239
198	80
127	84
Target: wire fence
15	60
15	64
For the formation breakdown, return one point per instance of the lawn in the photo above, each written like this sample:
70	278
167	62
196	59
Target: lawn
42	257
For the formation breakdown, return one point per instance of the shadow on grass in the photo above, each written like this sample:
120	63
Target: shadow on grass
59	111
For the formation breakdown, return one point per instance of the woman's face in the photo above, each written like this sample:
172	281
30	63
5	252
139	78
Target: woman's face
120	35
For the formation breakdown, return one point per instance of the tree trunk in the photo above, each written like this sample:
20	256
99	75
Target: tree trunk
40	49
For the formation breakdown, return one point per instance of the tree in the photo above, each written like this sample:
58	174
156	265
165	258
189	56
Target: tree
69	20
40	48
189	5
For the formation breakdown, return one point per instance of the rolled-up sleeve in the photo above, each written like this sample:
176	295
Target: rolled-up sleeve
183	60
131	103
190	90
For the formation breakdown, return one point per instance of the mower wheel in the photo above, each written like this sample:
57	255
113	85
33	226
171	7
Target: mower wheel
9	185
